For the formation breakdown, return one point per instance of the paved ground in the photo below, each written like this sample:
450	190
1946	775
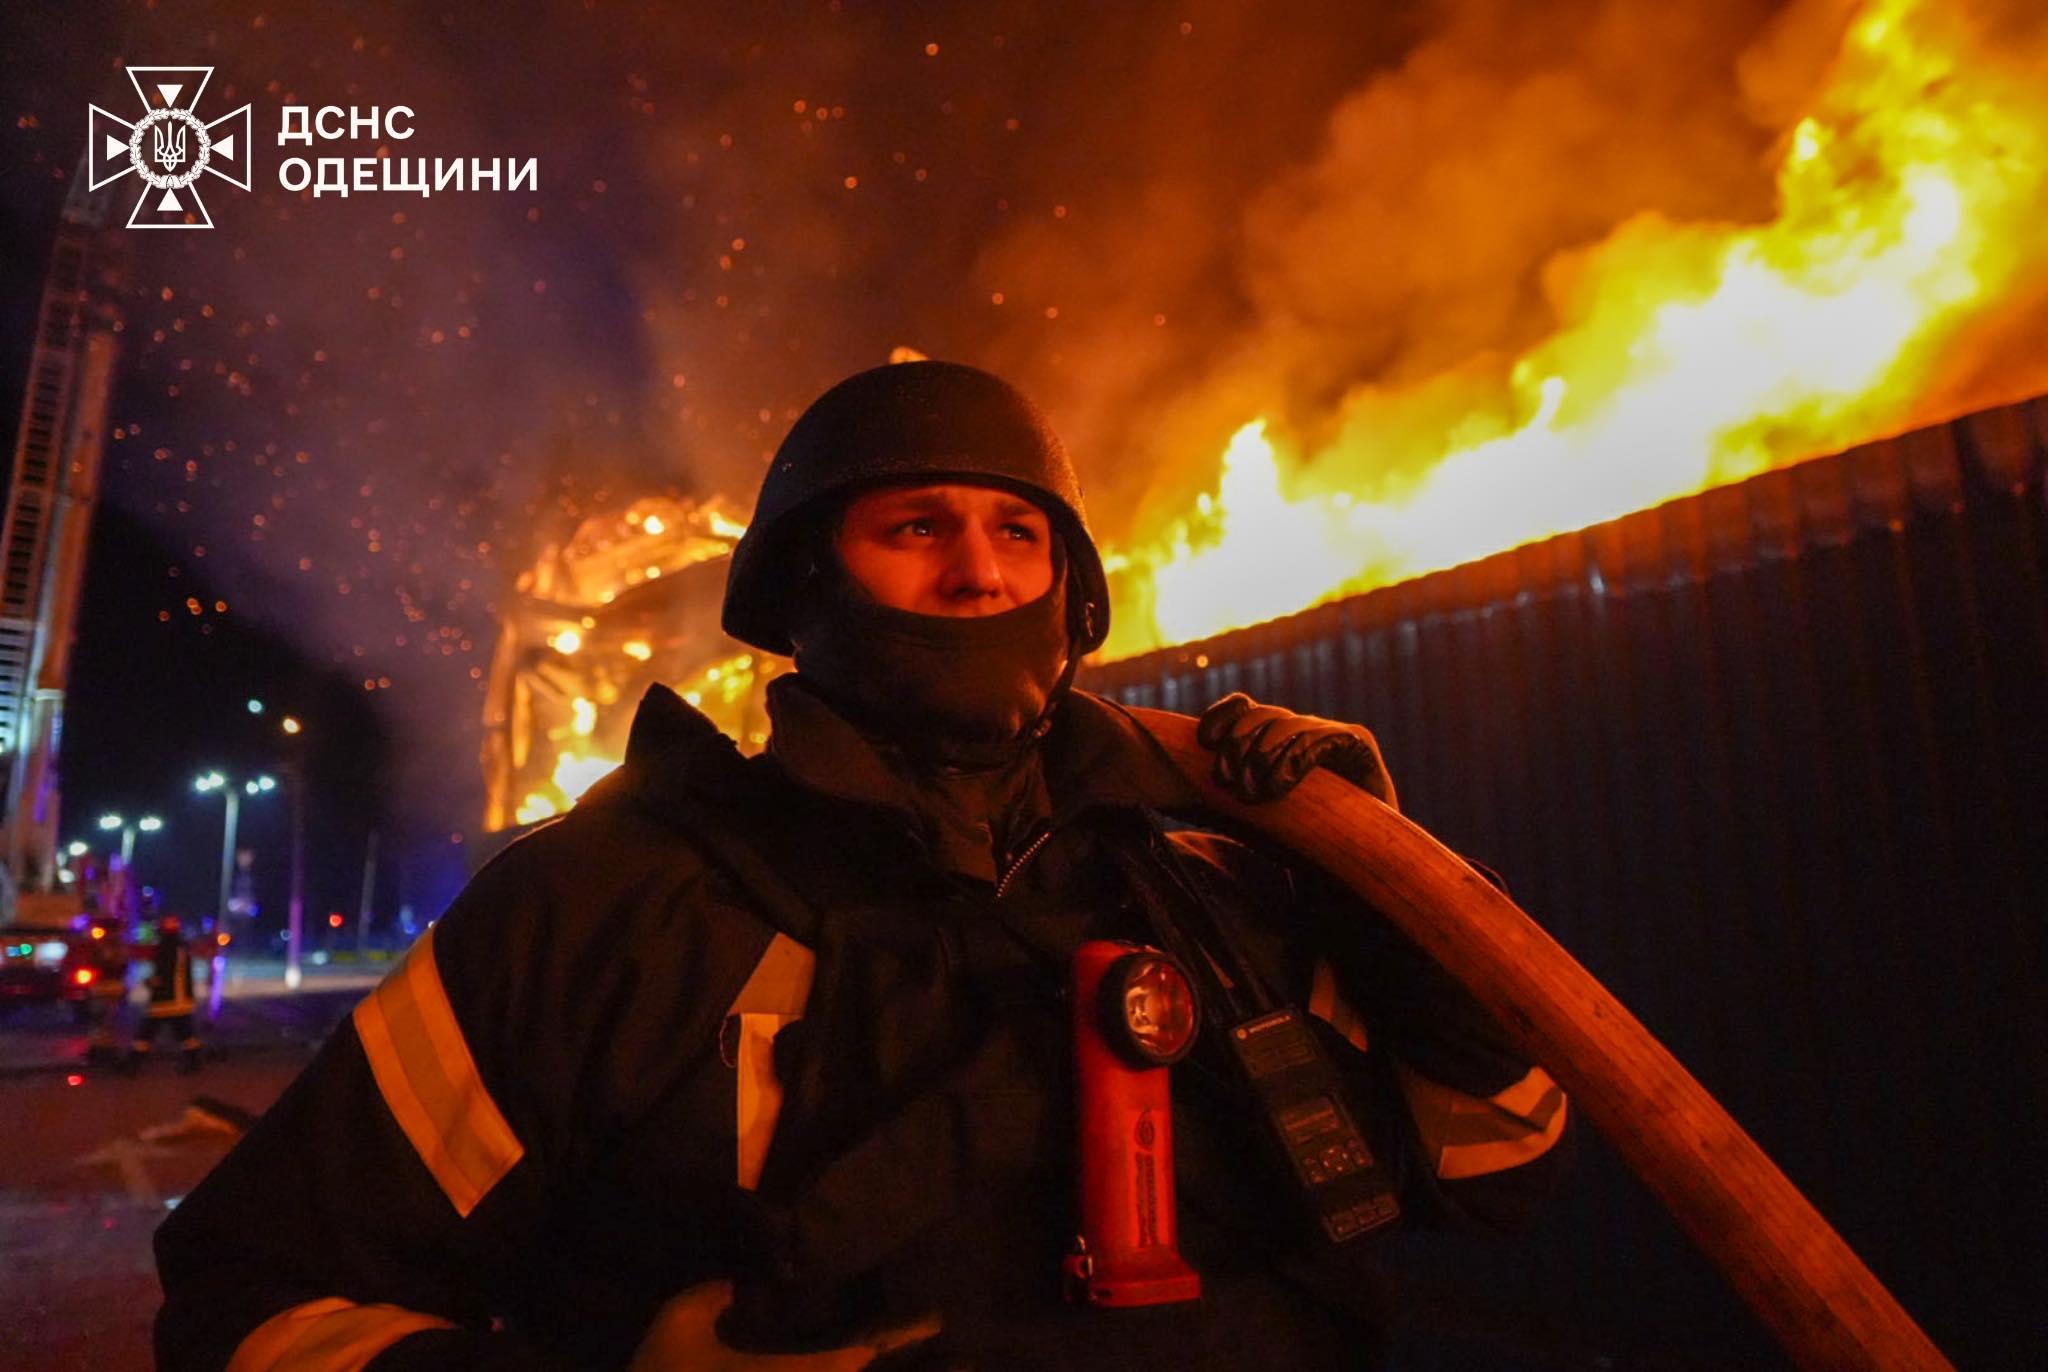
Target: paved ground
92	1160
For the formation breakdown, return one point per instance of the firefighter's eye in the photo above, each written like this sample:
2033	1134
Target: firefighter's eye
916	528
1022	533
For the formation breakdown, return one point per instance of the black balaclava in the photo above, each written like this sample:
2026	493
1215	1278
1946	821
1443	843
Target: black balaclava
963	691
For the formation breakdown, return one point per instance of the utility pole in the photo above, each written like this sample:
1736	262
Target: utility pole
296	928
227	856
367	905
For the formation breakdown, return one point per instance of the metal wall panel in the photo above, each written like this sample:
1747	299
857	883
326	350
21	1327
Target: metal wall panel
1769	761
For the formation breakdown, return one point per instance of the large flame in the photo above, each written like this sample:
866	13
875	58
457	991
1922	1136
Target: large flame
1685	355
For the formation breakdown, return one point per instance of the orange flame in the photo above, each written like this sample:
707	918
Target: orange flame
728	691
1684	355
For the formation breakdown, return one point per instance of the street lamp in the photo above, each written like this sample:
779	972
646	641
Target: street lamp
295	909
208	782
148	824
256	786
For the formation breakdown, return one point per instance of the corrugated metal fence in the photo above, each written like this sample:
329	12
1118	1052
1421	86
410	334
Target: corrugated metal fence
1770	762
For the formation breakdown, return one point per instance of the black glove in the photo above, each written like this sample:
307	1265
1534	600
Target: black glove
1262	751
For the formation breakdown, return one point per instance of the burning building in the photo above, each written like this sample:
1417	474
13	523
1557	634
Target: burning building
629	599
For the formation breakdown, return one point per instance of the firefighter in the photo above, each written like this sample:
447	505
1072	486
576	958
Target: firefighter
170	998
760	1062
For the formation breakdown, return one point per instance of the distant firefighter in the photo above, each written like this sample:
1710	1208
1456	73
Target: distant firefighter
170	997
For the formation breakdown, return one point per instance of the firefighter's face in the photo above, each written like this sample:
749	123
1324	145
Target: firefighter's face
947	549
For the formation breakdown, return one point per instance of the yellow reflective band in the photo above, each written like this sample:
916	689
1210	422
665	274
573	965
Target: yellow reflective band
760	1094
1527	1096
780	983
1331	1008
430	1082
1470	1137
775	995
330	1335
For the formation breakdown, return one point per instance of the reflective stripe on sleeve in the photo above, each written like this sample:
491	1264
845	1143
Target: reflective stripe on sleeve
760	1094
1327	1005
775	995
430	1082
330	1335
1469	1136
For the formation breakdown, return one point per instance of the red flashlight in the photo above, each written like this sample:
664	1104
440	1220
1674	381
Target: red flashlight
1134	1016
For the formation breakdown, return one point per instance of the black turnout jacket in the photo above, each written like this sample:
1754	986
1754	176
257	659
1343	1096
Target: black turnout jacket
773	1019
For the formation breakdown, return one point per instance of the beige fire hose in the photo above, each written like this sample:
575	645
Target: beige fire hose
1786	1261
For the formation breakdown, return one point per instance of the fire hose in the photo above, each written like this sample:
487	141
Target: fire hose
1807	1285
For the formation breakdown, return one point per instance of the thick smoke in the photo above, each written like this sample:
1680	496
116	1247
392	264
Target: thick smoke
1452	210
1408	240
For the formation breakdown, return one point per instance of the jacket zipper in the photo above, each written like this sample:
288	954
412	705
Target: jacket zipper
1022	858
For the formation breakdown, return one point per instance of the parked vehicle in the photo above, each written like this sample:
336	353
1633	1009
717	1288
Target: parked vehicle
36	960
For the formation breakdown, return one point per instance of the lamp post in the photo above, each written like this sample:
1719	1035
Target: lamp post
148	824
209	782
295	775
112	823
368	905
121	887
295	939
214	781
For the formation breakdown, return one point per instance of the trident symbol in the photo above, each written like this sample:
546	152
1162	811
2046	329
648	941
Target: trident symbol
168	145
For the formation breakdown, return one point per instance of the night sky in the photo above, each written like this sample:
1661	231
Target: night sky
352	422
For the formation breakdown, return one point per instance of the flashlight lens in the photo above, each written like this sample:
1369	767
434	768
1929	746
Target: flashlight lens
1159	1009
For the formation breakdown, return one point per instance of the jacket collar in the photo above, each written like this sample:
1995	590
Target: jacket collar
1094	755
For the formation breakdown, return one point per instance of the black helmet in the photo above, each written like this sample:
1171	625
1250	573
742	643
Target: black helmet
909	421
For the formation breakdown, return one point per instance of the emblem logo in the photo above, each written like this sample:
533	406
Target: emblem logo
169	148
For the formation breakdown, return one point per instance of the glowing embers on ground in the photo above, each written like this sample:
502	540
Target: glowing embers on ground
1684	355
